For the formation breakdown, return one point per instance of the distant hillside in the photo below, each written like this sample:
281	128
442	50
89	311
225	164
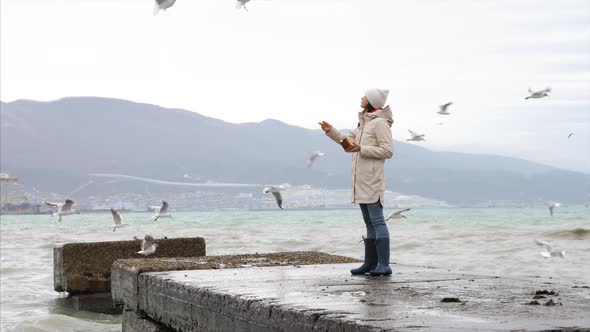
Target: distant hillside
54	145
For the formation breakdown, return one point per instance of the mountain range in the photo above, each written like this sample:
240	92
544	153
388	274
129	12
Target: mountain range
55	145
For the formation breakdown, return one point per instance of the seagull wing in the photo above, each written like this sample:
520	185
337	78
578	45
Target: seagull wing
55	205
570	135
312	159
67	205
164	207
278	198
444	107
116	217
147	242
400	212
414	134
548	247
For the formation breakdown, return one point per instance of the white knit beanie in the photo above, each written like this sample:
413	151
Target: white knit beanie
377	97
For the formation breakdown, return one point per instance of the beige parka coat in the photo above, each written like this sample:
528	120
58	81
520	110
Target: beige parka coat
373	135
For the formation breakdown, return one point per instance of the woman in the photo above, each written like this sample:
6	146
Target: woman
372	145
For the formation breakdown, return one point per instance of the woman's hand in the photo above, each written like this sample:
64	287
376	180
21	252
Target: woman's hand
326	127
354	148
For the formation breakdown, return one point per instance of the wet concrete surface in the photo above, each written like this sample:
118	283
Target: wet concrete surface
125	272
328	298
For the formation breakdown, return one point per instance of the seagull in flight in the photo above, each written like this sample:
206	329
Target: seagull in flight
444	109
549	252
63	209
148	246
163	5
276	192
398	215
416	137
552	206
162	212
539	94
312	159
118	221
241	4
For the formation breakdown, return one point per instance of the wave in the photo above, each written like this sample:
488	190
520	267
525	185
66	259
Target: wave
409	245
64	323
576	233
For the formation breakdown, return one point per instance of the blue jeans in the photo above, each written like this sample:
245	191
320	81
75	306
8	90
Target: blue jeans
374	220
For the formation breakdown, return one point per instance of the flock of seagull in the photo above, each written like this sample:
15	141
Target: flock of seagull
162	5
416	137
444	110
148	244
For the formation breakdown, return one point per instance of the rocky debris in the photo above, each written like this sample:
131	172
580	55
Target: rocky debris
543	294
546	292
450	300
551	303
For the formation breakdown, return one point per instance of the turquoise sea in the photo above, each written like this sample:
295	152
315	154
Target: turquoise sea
498	241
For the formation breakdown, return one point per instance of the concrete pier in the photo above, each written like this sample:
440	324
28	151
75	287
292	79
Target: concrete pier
125	273
85	268
327	298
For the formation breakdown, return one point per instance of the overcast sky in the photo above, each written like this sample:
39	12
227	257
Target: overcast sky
301	61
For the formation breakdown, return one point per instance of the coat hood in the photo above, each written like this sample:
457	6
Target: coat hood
384	113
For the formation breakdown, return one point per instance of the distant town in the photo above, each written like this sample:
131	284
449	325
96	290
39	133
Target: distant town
16	199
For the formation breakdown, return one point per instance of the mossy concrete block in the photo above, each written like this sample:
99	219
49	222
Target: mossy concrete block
80	268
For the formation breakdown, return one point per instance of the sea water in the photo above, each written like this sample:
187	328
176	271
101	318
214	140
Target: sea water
497	241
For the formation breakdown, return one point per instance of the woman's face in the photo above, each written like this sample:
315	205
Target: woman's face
364	102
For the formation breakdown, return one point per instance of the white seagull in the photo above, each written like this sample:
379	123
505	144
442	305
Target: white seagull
539	94
552	206
549	252
162	212
163	5
63	209
276	192
397	214
118	221
241	4
416	137
443	109
148	246
313	157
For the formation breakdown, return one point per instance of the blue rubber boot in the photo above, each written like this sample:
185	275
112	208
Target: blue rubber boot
382	268
370	258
